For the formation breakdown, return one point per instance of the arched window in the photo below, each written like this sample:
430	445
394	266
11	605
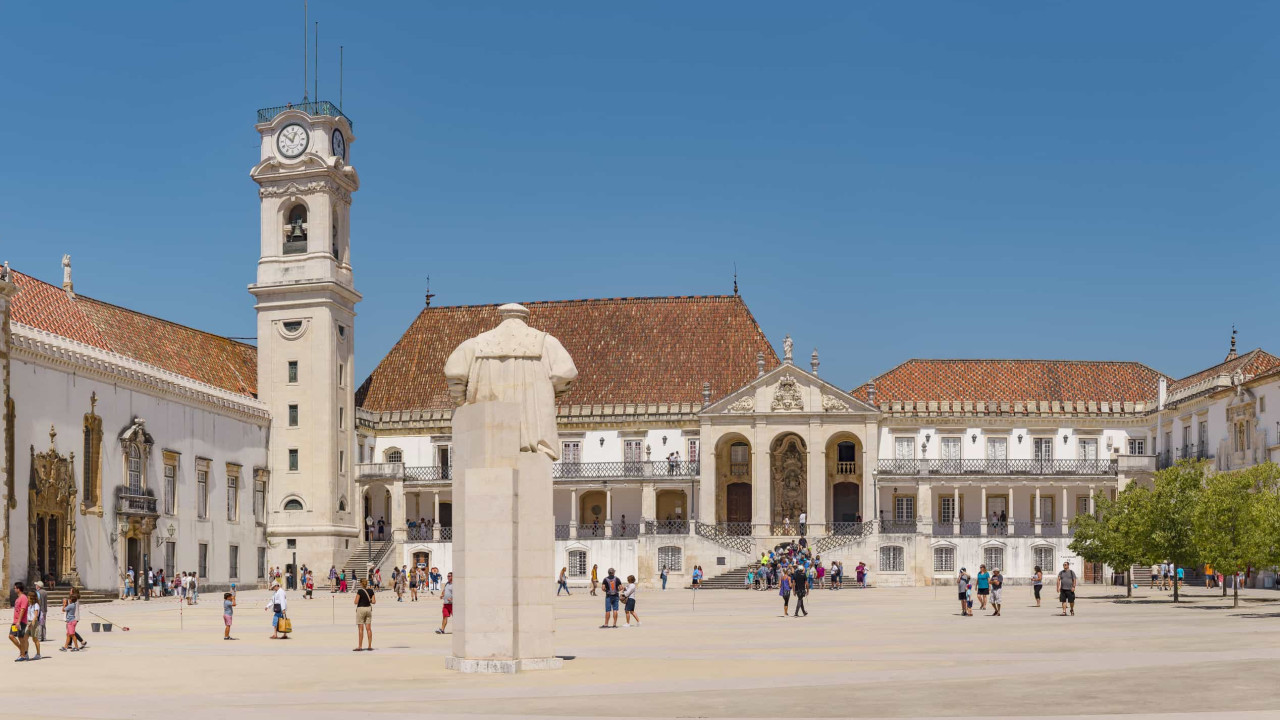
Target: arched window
135	468
578	563
334	240
342	505
295	230
293	504
394	455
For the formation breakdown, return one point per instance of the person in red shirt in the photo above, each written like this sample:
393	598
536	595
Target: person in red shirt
18	630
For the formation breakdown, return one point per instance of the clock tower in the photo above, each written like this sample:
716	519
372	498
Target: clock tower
306	302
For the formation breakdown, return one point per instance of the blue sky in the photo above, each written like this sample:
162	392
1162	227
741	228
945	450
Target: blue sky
1067	180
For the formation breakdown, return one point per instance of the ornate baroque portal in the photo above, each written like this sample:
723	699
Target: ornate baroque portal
788	480
51	547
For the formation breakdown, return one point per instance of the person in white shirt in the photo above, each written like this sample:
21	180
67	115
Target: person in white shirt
804	517
629	597
279	605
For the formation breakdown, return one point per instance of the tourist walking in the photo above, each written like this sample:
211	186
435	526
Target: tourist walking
446	610
1037	582
279	607
71	613
563	582
984	586
42	598
365	600
595	578
310	584
1067	588
228	610
18	629
193	597
1155	577
333	579
414	576
629	599
997	583
34	619
784	589
962	586
800	585
612	587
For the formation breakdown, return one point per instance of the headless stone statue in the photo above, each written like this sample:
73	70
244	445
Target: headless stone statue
518	364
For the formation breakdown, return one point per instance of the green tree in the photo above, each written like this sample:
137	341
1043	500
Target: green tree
1108	535
1235	520
1163	527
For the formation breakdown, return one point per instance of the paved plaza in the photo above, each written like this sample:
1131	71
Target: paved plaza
861	653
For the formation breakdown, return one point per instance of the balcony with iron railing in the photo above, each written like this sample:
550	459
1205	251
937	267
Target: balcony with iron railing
1029	466
136	501
322	108
626	470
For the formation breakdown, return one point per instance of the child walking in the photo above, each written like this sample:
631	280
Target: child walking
71	608
228	609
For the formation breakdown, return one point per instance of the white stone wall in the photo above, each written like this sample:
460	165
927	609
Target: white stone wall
46	396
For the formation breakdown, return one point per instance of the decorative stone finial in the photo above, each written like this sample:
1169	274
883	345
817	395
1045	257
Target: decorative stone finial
760	364
513	310
66	276
706	394
871	391
1232	354
813	361
786	349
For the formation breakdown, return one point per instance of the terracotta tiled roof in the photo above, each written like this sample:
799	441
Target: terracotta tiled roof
628	350
1254	362
198	355
1015	381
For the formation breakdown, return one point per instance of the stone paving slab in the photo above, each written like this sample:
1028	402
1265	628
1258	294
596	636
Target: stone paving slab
889	653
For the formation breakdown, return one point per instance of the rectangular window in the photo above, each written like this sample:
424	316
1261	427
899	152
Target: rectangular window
293	371
1203	438
904	448
571	452
342	461
170	488
341	373
632	450
260	501
904	509
944	559
693	450
947	509
671	558
262	563
293	459
578	563
892	559
1082	505
1137	446
202	494
1044	559
170	547
233	498
1088	449
235	562
342	418
203	561
993	558
1043	448
951	455
293	416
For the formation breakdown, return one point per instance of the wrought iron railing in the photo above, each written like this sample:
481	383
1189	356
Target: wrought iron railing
898	527
446	534
667	527
1164	459
135	502
562	532
1026	466
741	543
1052	528
420	533
428	472
734	528
374	471
842	533
318	108
624	470
626	530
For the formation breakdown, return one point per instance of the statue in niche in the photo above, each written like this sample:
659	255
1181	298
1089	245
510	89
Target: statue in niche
789	481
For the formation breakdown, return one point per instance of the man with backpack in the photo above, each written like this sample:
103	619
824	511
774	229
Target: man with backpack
612	586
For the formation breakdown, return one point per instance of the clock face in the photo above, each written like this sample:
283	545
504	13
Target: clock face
339	144
292	140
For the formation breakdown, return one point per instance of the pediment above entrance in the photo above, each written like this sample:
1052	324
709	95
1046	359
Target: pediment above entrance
789	390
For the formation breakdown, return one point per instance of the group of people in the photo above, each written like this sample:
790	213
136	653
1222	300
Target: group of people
153	583
989	586
786	559
30	620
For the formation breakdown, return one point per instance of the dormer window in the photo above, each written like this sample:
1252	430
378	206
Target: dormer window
295	231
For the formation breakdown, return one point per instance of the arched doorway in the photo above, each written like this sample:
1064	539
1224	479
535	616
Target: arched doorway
672	510
51	543
592	514
844	482
734	480
788	482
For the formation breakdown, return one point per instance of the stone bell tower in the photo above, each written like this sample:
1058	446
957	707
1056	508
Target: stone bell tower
306	302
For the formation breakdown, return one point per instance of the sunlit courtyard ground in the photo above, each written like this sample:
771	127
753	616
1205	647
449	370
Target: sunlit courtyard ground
861	653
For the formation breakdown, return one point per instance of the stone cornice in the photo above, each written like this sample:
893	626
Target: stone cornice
576	417
60	352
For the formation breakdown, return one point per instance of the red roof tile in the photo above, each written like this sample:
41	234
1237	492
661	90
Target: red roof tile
628	350
1255	362
198	355
1015	381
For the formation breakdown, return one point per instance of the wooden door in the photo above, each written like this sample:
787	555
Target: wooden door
738	503
844	502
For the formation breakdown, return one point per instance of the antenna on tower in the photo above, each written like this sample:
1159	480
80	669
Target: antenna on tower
306	51
316	79
339	77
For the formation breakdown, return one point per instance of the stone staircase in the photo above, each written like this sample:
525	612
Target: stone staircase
365	556
87	597
732	580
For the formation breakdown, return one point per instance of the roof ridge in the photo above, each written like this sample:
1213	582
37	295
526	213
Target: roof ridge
1242	359
635	298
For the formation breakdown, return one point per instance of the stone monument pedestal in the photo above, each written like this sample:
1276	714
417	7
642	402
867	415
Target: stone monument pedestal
503	546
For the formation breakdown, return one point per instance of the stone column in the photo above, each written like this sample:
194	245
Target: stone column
761	512
982	505
1063	512
399	526
435	515
1091	507
573	513
648	504
816	502
608	512
924	508
1011	528
707	459
955	507
866	505
1037	520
